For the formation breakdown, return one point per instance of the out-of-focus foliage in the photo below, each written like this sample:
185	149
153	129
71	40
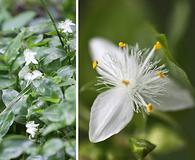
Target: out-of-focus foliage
140	21
49	100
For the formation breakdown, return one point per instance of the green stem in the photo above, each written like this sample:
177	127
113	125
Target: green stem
53	21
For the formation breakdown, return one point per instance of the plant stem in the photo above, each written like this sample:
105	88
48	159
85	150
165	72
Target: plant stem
53	21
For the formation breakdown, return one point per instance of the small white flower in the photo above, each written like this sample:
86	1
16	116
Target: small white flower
33	75
67	26
135	82
30	57
31	128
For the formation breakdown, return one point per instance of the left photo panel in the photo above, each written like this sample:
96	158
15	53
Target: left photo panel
38	80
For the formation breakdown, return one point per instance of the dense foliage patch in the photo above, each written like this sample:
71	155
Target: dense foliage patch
37	83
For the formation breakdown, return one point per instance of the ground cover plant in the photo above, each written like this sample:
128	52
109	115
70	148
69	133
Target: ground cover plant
37	80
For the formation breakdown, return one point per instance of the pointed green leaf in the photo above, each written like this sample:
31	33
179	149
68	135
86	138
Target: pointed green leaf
52	146
175	71
18	21
14	146
6	120
13	49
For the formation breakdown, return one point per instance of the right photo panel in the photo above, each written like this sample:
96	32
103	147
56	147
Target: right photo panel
136	78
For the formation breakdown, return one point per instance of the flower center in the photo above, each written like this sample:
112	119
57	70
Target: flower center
125	82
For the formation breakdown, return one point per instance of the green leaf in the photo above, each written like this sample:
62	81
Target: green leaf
13	146
48	55
55	113
140	147
70	147
12	50
37	157
3	67
54	54
6	82
9	95
40	27
63	112
68	82
52	146
18	63
66	72
6	120
48	90
70	94
175	71
53	127
18	21
4	15
70	113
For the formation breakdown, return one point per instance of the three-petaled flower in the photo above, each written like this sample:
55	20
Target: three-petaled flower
30	76
67	26
31	128
135	82
30	57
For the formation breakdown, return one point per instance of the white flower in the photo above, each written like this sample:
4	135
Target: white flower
30	57
67	26
33	75
31	128
135	82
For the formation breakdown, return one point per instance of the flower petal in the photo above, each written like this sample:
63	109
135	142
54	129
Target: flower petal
36	74
100	47
34	61
110	61
111	112
176	98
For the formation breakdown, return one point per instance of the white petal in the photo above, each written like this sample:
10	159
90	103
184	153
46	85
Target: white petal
176	98
36	74
27	62
100	47
34	61
111	60
111	112
28	76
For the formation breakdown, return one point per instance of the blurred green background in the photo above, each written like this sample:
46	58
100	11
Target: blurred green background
60	9
136	21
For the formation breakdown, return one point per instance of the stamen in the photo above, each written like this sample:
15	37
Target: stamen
149	107
94	64
125	82
160	74
157	45
121	44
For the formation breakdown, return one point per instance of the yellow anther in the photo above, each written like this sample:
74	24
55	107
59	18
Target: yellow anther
94	64
160	74
121	44
149	107
157	45
125	82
